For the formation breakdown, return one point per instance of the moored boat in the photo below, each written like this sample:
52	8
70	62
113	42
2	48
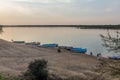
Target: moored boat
66	47
116	57
33	43
79	50
49	45
19	42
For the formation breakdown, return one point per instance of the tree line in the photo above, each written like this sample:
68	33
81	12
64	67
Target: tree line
77	26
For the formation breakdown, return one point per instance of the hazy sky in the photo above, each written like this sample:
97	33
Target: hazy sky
59	11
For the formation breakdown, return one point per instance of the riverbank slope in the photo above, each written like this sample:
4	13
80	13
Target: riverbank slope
14	59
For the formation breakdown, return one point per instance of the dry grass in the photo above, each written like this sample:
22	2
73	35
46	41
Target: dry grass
14	59
108	70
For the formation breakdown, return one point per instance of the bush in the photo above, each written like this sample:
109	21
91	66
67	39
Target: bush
2	77
38	70
7	77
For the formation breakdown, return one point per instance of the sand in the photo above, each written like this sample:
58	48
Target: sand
14	59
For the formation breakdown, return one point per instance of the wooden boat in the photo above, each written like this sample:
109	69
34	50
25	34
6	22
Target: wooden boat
19	42
66	47
33	43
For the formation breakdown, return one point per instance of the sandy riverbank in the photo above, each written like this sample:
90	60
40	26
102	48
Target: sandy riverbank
14	59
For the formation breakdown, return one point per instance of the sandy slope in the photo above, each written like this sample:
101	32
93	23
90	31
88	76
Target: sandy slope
14	59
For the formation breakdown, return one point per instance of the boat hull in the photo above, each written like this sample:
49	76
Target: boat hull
79	50
49	45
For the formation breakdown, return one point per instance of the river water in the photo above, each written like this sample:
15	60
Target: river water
64	36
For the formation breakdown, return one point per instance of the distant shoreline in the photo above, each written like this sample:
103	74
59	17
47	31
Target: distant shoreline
77	26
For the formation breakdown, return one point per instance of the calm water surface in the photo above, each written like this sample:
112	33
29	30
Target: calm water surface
64	36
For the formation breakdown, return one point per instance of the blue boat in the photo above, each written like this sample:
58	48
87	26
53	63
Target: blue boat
79	50
49	45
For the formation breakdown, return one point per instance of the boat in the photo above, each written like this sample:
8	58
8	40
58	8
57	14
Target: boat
79	50
21	42
49	45
62	47
33	43
66	47
69	48
116	57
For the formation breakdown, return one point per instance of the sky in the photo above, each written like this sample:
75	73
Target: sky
44	12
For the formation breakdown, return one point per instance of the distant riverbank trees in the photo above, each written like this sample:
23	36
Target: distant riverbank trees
100	26
77	26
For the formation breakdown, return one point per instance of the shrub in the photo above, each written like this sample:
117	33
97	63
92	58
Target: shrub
2	77
38	69
5	77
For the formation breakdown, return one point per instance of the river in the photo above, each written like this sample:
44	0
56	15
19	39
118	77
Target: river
64	36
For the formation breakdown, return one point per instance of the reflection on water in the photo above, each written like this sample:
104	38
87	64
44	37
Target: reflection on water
65	36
